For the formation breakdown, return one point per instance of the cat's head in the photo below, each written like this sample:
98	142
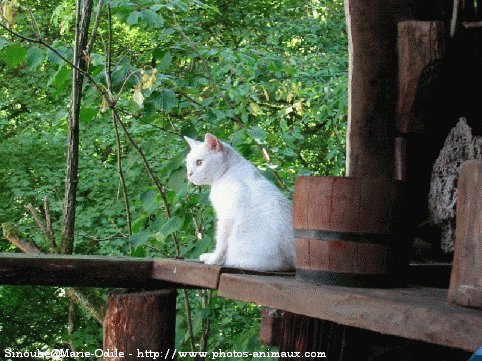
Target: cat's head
207	161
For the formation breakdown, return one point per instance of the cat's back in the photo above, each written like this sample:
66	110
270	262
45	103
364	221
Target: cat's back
256	191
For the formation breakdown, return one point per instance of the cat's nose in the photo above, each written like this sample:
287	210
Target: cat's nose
189	174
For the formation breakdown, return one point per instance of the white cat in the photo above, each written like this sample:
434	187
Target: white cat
254	227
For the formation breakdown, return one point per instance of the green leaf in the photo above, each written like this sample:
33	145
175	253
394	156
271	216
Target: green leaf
140	238
35	56
172	225
149	201
134	17
13	55
164	100
88	114
257	134
177	179
61	77
175	163
153	19
255	109
165	61
54	58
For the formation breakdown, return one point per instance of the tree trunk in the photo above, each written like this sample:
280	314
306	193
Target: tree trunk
84	10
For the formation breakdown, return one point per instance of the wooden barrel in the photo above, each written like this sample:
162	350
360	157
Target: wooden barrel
348	231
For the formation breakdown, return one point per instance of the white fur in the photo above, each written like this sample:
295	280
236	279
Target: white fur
254	224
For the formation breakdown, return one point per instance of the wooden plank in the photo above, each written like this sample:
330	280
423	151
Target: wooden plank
188	273
75	271
415	313
466	280
106	271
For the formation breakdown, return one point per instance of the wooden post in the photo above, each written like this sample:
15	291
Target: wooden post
466	280
420	43
308	338
301	335
140	325
373	78
270	326
371	87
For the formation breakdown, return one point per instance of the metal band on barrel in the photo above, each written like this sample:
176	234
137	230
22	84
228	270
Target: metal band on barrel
372	238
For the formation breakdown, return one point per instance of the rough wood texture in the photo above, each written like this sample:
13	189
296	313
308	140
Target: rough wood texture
270	326
190	273
346	230
466	280
312	336
105	271
420	43
314	339
413	313
400	172
372	78
76	271
140	325
83	16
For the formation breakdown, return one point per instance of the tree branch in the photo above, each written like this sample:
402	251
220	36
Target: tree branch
157	183
122	178
84	300
15	238
90	44
48	225
42	226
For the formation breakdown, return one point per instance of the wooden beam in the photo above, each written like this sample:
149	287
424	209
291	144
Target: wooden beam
187	273
415	313
76	271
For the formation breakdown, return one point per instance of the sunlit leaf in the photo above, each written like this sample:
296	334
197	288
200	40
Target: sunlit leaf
138	97
13	55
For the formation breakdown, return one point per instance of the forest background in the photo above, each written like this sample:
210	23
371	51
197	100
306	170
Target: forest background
269	76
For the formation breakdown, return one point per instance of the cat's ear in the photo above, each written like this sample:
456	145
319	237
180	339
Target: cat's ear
213	143
192	142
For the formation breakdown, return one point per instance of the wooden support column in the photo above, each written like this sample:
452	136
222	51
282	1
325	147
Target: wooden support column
420	45
310	338
373	80
466	281
371	88
140	325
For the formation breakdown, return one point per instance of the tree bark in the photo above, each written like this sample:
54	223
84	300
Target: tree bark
84	10
140	325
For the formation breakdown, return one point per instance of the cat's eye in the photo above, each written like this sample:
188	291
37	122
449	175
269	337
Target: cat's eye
199	162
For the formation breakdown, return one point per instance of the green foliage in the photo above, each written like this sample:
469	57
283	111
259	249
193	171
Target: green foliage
268	76
33	318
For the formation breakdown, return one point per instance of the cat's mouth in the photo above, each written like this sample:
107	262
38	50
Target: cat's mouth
190	179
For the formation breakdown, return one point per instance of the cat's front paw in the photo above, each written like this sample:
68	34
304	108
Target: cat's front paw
211	258
205	256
